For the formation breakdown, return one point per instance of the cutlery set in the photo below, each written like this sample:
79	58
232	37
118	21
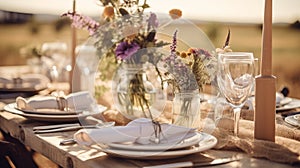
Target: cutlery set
68	127
196	164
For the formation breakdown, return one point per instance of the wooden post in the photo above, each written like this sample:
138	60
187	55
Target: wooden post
265	92
73	54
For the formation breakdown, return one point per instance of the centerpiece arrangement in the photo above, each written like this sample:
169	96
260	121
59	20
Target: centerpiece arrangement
127	43
125	39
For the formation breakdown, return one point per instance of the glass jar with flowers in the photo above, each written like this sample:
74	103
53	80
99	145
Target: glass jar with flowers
126	42
188	72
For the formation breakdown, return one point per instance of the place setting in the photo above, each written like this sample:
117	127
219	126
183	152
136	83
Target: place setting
293	120
142	139
286	106
24	85
284	103
70	108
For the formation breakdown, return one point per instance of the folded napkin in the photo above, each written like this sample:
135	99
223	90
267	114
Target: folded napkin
25	80
140	131
279	97
76	101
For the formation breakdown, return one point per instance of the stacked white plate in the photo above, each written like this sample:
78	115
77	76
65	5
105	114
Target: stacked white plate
52	115
26	85
195	144
287	103
293	120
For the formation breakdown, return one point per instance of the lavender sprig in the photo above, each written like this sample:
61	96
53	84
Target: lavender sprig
82	22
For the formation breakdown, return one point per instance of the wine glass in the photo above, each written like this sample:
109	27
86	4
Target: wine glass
235	80
87	60
55	58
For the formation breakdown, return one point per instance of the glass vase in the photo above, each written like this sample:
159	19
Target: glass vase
135	95
186	109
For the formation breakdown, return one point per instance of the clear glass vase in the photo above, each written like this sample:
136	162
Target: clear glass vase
186	109
135	95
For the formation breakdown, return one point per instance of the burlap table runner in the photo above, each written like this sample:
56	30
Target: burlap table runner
285	149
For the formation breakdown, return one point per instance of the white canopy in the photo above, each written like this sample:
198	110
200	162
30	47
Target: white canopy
245	11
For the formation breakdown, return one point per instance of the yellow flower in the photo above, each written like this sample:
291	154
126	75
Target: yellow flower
190	50
108	12
183	55
175	13
223	50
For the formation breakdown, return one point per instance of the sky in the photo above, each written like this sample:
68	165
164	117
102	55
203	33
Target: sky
244	11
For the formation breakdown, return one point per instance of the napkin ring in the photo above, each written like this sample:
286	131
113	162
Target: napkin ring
157	132
62	103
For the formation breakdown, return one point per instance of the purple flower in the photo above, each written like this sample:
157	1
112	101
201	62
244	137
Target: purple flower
174	43
202	52
152	21
125	50
80	22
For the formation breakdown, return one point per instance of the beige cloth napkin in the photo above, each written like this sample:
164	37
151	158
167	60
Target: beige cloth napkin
140	131
76	101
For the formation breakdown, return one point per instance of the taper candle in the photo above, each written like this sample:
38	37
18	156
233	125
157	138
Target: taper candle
265	90
73	47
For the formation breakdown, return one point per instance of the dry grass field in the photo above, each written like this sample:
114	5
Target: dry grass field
286	45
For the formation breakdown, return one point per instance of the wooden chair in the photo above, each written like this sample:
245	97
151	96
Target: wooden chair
14	152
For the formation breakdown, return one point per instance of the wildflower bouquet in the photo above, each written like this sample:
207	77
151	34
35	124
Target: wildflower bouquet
125	39
189	70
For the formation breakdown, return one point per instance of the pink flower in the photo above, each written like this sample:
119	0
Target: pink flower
83	22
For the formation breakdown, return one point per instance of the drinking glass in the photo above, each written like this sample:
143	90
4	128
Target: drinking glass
56	52
56	59
87	60
235	80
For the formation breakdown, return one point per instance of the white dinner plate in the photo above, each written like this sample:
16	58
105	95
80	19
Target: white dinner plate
51	118
30	83
294	103
49	111
190	141
293	120
56	111
207	142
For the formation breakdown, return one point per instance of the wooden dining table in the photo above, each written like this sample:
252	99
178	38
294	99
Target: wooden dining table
69	156
18	130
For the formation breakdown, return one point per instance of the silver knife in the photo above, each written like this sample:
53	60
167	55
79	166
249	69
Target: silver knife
72	127
68	128
46	127
195	164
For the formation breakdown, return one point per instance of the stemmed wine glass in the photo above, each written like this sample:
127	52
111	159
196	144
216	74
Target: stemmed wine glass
55	58
235	80
87	61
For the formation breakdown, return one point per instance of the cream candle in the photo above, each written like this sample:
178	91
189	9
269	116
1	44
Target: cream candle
265	91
